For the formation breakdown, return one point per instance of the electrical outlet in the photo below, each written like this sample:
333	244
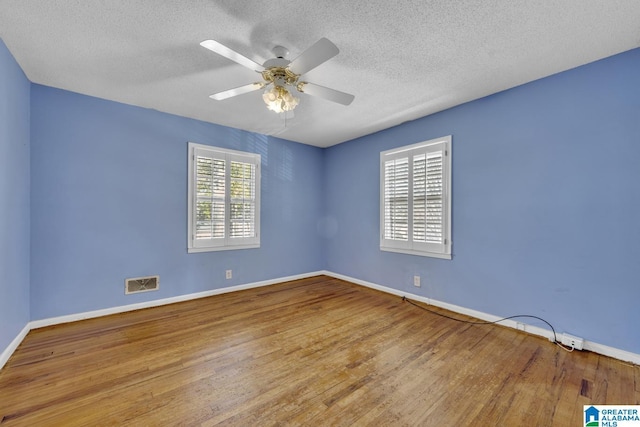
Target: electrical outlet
520	326
416	281
571	341
229	274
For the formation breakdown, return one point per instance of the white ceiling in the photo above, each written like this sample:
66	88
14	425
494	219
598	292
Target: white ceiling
402	60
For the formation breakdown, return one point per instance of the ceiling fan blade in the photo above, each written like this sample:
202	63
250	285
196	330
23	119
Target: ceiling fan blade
222	50
326	93
237	91
321	51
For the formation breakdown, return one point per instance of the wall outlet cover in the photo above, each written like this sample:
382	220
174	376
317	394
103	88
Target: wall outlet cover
571	341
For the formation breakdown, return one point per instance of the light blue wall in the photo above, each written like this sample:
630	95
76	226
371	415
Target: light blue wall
14	198
109	201
545	209
546	204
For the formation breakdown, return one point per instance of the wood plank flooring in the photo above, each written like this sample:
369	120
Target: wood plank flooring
311	352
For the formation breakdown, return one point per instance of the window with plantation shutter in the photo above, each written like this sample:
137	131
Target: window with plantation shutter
415	199
224	199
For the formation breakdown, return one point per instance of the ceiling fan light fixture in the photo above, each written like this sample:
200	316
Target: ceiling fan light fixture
280	76
278	99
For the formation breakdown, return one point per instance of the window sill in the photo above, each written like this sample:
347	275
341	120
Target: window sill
414	252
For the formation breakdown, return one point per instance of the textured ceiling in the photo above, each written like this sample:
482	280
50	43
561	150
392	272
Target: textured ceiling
402	60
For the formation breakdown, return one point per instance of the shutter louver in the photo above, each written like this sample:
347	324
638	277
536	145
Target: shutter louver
433	201
210	195
420	198
242	205
396	199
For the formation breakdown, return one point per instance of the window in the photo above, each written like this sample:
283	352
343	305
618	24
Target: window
224	199
415	199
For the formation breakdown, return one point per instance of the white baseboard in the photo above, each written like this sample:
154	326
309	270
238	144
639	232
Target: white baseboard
616	353
35	324
6	354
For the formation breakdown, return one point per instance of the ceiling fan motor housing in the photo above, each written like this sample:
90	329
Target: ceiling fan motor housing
280	51
276	72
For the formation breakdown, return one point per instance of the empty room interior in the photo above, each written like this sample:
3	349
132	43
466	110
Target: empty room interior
318	213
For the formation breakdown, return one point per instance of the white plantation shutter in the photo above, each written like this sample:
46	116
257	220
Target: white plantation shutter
420	198
428	198
242	195
415	209
210	196
224	199
396	199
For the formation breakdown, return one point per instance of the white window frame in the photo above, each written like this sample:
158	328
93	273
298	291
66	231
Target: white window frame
227	242
408	246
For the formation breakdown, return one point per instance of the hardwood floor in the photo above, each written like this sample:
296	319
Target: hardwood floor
317	351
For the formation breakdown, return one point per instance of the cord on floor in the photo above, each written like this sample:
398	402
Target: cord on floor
483	322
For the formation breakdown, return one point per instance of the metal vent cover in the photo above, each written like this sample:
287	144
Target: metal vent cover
141	284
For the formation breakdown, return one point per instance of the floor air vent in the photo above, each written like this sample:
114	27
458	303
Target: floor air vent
141	284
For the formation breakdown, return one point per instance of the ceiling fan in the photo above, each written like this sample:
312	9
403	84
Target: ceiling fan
281	77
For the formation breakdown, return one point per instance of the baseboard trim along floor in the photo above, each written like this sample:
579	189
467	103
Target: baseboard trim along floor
616	353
